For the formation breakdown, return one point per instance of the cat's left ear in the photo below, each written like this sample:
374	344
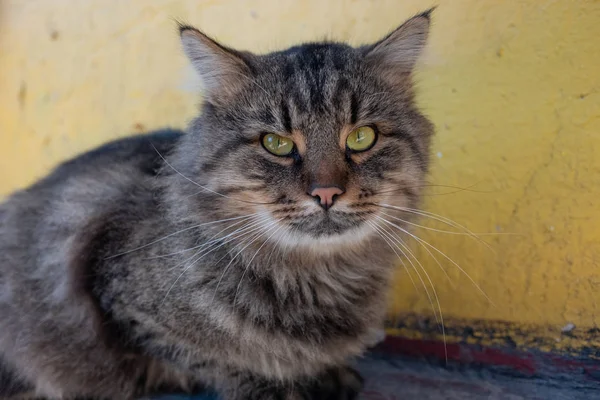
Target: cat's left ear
223	71
400	50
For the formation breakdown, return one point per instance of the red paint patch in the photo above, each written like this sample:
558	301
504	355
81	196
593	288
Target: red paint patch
522	362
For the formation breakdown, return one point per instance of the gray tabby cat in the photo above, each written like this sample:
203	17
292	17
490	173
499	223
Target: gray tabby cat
248	255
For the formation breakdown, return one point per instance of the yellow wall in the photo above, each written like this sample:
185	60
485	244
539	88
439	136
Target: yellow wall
512	86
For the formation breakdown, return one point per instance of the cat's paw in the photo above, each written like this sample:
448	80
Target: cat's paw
159	378
343	383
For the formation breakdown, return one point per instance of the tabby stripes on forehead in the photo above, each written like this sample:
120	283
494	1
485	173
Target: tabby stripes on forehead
286	120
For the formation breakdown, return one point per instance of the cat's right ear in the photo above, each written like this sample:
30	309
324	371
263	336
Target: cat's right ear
223	71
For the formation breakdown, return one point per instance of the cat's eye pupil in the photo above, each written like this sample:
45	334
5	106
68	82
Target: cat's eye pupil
361	139
278	145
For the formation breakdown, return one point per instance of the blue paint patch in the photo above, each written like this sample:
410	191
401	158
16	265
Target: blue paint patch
410	378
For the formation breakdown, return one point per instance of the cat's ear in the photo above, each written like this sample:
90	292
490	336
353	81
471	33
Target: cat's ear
223	71
400	50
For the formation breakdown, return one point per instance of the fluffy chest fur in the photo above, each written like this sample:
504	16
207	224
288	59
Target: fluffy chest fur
251	253
281	313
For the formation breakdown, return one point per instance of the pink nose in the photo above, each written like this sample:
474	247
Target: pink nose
326	195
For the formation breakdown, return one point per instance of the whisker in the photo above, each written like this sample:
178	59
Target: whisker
442	219
249	228
286	244
378	230
441	319
252	259
445	256
201	186
395	316
430	253
176	233
426	227
390	237
214	248
436	217
389	243
399	241
276	246
231	262
453	223
458	189
210	240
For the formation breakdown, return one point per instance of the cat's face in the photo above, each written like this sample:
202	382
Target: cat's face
314	139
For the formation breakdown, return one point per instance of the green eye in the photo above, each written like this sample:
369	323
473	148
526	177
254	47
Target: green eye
278	145
361	139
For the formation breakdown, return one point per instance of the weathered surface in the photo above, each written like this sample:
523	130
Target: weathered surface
490	375
513	87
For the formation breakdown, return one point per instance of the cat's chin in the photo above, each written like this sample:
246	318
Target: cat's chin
326	234
330	224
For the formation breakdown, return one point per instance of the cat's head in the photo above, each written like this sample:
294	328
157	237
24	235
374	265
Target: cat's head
316	141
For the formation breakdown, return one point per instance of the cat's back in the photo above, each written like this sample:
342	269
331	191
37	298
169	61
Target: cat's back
139	154
40	224
42	231
110	165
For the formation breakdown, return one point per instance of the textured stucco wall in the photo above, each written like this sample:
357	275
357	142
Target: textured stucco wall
512	86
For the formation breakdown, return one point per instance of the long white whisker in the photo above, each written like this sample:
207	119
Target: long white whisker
276	247
231	262
399	242
238	233
210	239
430	253
416	271
455	224
389	243
437	319
176	233
448	258
210	250
379	230
199	185
427	227
252	259
441	321
442	219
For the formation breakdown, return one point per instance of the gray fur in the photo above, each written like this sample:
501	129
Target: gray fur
116	281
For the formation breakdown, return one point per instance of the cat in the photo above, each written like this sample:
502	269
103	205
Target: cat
250	254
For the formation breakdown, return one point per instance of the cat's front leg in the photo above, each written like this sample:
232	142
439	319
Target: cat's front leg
342	383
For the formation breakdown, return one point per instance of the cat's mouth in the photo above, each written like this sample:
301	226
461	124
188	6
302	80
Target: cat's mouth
327	224
327	231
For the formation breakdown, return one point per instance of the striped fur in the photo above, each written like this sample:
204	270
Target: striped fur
116	280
